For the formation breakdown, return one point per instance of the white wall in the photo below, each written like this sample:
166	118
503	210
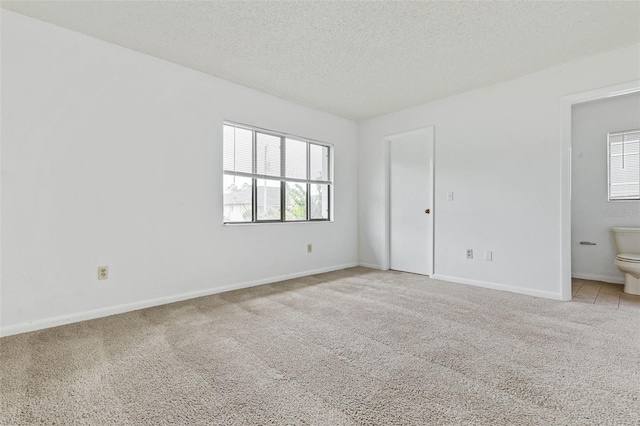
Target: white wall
592	214
499	150
111	157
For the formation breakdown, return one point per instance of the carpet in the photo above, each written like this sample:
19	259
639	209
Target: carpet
350	347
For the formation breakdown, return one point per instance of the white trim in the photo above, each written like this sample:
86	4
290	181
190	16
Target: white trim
565	169
386	211
134	306
595	277
372	266
496	286
386	172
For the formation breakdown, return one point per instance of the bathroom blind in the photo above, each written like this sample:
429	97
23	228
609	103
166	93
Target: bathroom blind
624	165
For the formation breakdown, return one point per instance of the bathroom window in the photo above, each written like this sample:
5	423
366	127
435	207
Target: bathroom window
275	177
624	165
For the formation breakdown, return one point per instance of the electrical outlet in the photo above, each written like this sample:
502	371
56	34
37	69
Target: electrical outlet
488	256
309	248
450	197
469	254
103	272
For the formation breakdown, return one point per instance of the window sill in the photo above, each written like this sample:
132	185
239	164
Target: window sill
299	222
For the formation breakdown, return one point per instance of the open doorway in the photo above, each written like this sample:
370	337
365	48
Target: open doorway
589	208
605	187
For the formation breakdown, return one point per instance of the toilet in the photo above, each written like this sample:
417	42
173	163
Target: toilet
627	241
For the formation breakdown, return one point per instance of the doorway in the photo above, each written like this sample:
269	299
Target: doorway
410	201
566	188
604	197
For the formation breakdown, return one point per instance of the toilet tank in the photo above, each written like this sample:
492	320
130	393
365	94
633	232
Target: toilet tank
627	240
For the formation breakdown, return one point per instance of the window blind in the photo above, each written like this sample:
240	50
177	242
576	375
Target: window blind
624	165
253	153
271	176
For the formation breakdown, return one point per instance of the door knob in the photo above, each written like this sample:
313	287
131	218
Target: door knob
427	211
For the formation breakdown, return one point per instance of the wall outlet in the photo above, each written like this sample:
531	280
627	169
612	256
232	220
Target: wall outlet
103	272
469	254
450	196
309	248
488	256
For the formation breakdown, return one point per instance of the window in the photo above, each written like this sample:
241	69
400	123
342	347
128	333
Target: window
273	177
624	165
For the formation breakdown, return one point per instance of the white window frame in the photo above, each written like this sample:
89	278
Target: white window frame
254	176
609	183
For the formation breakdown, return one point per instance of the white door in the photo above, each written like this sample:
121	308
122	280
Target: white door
411	197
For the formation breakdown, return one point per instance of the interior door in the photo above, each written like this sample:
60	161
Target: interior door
410	210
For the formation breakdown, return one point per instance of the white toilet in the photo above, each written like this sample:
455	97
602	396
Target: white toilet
627	241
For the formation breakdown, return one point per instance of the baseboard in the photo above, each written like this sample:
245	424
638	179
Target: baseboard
595	277
496	286
134	306
371	266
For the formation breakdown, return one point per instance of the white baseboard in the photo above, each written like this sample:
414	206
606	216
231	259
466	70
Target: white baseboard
496	286
371	265
595	277
134	306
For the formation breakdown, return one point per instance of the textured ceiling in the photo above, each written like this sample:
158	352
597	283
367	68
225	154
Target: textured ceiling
355	59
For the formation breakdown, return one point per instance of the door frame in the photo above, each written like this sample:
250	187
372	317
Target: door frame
387	140
565	178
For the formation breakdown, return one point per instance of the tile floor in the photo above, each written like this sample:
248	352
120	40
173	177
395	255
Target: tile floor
604	294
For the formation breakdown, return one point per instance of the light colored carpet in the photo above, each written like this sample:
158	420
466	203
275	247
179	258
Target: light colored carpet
350	347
